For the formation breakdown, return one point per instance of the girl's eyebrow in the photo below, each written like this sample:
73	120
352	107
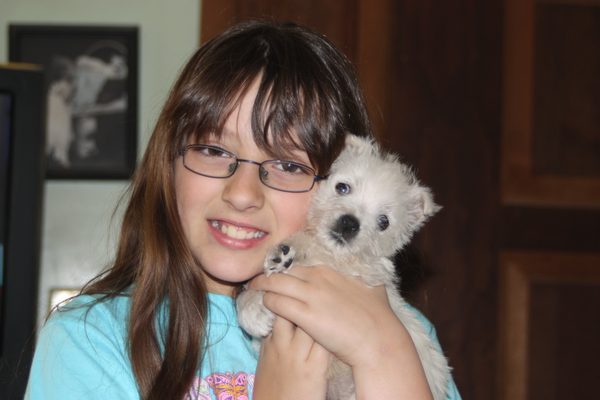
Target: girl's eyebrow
289	152
294	155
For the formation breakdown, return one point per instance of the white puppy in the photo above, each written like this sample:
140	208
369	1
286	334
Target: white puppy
367	209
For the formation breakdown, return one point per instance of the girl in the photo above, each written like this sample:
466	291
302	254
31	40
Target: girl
252	124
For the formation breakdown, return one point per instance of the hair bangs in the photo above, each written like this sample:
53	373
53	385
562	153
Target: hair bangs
292	110
306	98
204	112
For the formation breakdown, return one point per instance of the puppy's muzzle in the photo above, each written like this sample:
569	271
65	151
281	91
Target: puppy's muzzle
345	228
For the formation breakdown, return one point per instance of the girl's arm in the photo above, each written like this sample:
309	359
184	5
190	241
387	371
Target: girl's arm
291	366
354	322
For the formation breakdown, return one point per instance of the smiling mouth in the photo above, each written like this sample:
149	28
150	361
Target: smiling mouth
236	232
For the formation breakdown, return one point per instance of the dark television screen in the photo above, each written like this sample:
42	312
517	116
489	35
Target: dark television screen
21	194
5	129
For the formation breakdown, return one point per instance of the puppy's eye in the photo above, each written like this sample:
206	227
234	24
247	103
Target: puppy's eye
383	222
342	188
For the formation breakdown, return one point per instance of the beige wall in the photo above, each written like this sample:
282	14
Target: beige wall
78	233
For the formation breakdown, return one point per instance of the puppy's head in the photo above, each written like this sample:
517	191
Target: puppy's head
370	204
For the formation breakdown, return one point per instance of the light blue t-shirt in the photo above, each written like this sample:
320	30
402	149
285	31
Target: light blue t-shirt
81	353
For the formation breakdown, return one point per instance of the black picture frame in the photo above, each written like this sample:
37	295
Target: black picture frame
91	90
22	176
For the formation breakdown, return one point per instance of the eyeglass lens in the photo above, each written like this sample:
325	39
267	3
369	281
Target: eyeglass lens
215	162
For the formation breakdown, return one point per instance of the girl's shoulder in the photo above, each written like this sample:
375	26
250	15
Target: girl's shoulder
91	311
81	351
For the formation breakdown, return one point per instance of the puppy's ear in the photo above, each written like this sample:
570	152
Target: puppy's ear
429	206
353	140
358	143
422	206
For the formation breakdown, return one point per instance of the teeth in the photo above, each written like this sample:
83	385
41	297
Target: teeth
237	232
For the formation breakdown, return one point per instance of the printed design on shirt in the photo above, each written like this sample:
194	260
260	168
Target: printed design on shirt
200	390
225	386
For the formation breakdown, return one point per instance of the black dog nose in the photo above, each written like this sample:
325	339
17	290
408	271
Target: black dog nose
347	226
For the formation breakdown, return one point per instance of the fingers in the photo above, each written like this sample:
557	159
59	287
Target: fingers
277	281
287	354
304	344
294	282
282	332
336	310
288	336
298	294
300	281
284	294
317	353
288	308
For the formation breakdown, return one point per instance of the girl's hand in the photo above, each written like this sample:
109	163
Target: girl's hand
291	365
354	322
341	313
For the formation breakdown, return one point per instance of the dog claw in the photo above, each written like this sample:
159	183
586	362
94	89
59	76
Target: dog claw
280	259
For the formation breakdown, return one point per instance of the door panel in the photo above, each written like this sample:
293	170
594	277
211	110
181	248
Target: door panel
549	325
551	103
550	189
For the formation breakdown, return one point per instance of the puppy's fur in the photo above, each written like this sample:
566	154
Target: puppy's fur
367	210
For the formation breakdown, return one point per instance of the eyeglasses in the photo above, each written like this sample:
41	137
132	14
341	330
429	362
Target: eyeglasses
215	162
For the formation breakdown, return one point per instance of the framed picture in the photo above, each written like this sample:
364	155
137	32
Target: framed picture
91	85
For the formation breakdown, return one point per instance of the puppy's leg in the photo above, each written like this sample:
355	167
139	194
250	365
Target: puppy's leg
340	385
253	316
434	362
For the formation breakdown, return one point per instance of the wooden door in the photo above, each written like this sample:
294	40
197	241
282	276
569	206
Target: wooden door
468	92
550	184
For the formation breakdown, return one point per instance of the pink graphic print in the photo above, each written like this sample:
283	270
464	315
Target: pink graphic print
199	390
230	386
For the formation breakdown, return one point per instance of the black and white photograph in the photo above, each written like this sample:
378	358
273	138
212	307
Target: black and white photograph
91	96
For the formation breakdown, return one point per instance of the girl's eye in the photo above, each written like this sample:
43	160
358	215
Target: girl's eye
342	188
211	151
291	168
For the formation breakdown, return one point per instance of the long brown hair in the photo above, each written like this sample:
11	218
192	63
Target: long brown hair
308	98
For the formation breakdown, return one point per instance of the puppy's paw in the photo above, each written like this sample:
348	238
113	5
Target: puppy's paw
253	316
279	259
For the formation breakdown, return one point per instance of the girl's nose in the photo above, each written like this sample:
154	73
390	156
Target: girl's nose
244	190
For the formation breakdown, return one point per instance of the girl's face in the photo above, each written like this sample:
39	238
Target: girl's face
231	223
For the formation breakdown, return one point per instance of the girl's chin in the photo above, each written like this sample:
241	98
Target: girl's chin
225	279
